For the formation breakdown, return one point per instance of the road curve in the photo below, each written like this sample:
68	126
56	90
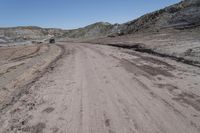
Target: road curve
102	89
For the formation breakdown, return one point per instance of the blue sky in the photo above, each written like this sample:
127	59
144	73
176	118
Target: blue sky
69	14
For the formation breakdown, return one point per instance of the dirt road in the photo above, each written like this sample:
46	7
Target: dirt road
102	89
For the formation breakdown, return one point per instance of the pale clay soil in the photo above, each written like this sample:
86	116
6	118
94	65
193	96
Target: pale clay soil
185	44
102	89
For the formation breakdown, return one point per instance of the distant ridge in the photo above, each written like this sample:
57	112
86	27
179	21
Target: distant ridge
180	16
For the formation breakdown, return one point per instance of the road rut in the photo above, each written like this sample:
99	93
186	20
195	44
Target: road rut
102	89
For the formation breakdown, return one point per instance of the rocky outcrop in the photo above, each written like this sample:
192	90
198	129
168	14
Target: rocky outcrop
21	34
185	14
94	30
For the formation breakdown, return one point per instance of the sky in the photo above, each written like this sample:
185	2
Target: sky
70	14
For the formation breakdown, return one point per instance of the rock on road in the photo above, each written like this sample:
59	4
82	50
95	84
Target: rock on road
102	89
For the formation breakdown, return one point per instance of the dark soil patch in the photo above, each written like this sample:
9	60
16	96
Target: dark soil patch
155	71
189	99
48	110
145	70
139	47
35	129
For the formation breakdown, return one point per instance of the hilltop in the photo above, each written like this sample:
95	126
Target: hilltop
181	16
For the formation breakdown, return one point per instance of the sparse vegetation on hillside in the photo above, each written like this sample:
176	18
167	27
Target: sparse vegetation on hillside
183	15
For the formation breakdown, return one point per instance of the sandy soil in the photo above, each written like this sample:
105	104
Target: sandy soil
184	44
102	89
21	65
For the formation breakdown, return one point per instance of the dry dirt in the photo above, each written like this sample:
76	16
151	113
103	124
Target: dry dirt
103	89
182	44
21	65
